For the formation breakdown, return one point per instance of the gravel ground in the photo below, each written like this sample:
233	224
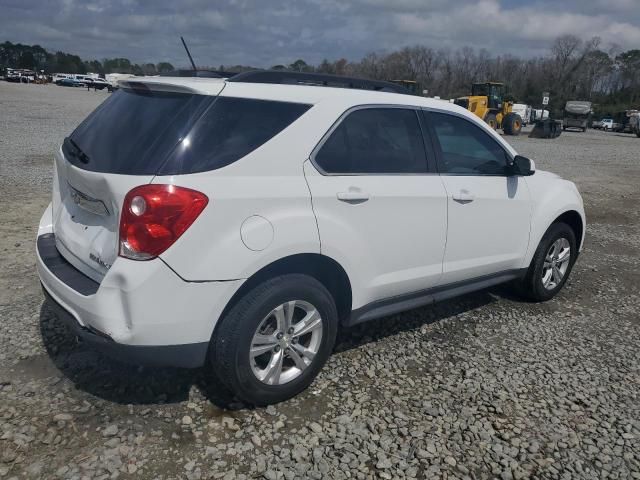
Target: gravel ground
486	386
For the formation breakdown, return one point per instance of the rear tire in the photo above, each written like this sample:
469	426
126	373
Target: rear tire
549	269
512	124
267	318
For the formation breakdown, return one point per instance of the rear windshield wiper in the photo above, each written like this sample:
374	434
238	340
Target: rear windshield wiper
77	151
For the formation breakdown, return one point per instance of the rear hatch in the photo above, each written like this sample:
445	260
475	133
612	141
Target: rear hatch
122	144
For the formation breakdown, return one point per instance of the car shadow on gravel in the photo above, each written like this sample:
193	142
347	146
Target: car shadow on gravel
376	330
121	383
125	384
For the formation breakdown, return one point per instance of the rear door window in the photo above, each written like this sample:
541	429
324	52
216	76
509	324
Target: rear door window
375	141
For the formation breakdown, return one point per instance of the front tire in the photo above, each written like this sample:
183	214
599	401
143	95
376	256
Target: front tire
274	341
512	124
551	264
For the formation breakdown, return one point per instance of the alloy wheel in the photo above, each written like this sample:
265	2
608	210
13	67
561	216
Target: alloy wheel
556	263
286	342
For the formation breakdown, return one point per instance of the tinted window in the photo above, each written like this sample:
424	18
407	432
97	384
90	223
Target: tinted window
146	133
132	131
230	129
375	140
466	148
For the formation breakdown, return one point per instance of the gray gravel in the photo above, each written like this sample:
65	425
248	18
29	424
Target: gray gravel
486	386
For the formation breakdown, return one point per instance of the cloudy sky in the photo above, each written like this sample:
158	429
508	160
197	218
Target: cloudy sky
268	32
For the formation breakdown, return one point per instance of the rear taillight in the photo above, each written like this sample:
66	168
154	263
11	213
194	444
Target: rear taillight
155	216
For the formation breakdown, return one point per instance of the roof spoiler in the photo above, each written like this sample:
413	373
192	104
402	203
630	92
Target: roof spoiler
148	86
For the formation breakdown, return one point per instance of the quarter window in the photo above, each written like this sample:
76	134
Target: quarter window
375	141
230	129
466	148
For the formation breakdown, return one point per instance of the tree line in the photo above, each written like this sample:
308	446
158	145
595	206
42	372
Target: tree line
35	57
572	69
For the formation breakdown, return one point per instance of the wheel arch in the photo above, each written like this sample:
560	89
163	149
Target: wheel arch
575	221
570	216
321	267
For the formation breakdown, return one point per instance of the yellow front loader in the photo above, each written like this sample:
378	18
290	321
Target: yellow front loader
487	102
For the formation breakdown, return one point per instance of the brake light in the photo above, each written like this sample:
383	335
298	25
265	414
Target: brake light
155	216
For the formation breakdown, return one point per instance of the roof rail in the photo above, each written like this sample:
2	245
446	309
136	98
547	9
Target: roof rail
199	73
316	79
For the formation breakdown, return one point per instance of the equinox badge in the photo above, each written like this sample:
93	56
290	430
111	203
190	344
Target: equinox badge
99	261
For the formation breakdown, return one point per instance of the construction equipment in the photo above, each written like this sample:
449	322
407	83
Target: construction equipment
546	128
577	114
634	121
411	85
487	102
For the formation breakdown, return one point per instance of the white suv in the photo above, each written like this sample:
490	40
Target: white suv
240	222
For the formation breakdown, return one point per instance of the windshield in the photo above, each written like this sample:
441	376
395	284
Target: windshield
480	89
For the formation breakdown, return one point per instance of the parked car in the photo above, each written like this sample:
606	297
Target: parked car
607	124
84	79
240	222
98	84
596	124
59	76
624	121
20	75
69	82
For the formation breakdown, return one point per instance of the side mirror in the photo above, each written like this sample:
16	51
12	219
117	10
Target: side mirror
522	166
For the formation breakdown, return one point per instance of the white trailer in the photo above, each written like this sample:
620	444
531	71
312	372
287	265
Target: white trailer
524	111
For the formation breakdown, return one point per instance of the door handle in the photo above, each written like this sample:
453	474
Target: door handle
353	196
463	196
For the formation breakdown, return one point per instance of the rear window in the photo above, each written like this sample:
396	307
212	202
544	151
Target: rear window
133	131
146	132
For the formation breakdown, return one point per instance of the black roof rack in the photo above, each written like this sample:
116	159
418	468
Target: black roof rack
317	79
199	73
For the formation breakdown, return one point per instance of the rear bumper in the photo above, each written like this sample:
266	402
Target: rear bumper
185	356
141	312
573	123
